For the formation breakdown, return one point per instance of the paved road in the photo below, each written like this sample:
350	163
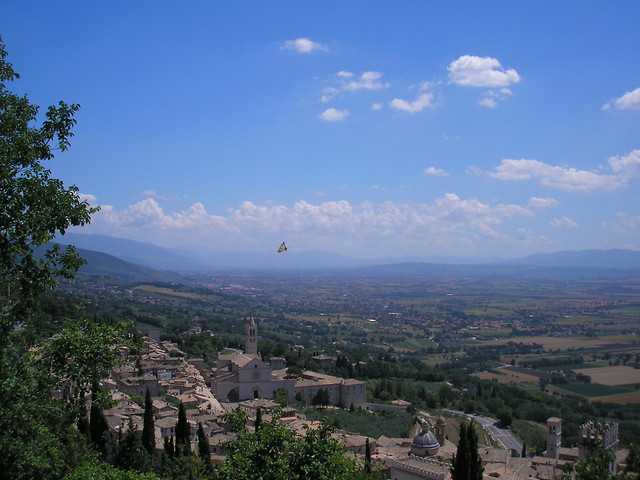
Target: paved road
500	435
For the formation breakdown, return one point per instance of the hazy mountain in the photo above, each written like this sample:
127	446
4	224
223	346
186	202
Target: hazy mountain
135	252
201	259
615	258
105	265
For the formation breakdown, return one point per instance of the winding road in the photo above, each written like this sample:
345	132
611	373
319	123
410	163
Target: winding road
500	435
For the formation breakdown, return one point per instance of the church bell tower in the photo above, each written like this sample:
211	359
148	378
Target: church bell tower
251	337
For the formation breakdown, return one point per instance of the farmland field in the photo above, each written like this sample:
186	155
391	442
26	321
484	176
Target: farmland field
593	390
613	376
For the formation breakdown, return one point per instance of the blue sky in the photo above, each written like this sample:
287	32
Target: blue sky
367	128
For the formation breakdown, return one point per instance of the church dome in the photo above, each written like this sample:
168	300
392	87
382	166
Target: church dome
425	443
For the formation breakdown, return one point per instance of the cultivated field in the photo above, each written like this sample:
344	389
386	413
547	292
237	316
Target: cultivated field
509	375
613	376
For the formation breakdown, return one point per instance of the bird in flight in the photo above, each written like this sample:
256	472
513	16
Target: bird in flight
283	248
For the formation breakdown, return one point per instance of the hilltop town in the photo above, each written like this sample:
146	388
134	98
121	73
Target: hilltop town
242	381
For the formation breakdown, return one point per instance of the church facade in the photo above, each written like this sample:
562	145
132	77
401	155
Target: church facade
245	376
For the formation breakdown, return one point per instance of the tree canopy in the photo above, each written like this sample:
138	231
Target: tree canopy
34	206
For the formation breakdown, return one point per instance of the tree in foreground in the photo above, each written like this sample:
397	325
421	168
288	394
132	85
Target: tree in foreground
148	427
277	453
203	445
183	433
34	207
466	464
38	440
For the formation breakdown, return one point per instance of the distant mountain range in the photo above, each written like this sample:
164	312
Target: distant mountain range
99	264
158	258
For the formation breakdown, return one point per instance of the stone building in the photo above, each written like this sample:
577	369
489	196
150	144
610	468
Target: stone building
244	376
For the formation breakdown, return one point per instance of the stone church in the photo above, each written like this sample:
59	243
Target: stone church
244	376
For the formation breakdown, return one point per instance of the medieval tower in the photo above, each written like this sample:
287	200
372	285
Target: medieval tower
554	437
251	337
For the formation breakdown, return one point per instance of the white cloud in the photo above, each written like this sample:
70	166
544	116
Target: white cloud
436	172
89	198
303	45
489	102
537	202
448	222
624	224
472	71
423	101
628	101
328	94
561	178
366	81
333	115
563	223
627	165
376	106
345	81
492	97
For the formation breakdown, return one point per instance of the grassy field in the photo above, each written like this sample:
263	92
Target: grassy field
594	390
174	293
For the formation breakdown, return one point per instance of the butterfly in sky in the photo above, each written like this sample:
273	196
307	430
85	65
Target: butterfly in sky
283	248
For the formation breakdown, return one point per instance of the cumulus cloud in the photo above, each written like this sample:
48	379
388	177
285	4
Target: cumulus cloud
624	224
537	202
563	223
333	115
328	94
303	45
565	178
436	172
472	71
447	221
366	81
628	101
627	165
423	101
89	198
488	101
376	106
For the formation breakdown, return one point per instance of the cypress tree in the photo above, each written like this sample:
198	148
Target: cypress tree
203	445
148	428
258	423
475	462
466	464
169	447
367	456
460	462
98	426
183	433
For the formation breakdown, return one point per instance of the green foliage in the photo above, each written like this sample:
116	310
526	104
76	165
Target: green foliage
275	452
148	428
390	424
203	445
104	471
236	421
183	433
594	467
38	438
131	454
466	464
81	354
34	207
